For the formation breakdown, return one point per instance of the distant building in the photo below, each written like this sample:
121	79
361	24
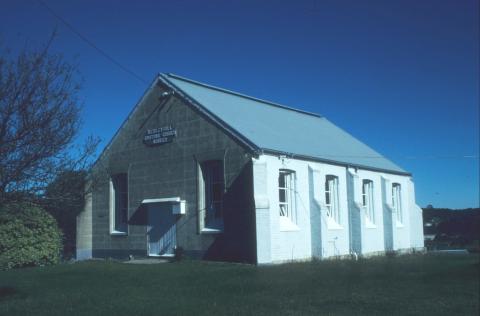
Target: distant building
226	176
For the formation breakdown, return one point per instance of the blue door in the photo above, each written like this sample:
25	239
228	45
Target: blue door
161	230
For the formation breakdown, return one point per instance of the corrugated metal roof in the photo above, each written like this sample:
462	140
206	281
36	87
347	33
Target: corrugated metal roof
276	128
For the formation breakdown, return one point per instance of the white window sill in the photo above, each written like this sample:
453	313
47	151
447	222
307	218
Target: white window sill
399	225
369	224
286	225
333	225
118	233
211	231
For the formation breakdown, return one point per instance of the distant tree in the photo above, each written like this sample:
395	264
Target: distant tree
64	200
39	122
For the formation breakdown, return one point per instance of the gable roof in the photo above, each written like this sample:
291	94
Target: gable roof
273	128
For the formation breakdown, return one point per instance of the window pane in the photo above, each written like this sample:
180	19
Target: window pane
282	195
214	189
331	197
217	209
217	191
217	173
281	180
286	193
120	187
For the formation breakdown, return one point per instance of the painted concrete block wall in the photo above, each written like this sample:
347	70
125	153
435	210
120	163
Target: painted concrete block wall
355	211
84	230
334	238
262	211
388	217
400	232
289	243
169	170
317	225
372	234
316	235
286	243
416	220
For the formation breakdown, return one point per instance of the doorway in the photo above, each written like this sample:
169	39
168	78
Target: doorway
161	230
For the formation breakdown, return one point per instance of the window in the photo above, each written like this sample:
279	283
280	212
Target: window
119	203
397	201
286	194
213	188
331	198
367	200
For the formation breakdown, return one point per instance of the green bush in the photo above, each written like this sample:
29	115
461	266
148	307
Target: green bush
29	236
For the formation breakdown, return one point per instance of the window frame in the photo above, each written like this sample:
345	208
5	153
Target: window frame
289	190
397	202
368	200
115	191
206	191
332	199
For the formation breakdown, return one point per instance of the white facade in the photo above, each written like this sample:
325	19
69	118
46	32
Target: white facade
329	217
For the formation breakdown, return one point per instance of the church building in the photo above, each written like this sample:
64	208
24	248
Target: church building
219	175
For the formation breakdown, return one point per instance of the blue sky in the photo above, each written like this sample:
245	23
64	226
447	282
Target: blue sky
402	76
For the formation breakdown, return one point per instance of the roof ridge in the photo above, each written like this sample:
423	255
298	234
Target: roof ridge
241	95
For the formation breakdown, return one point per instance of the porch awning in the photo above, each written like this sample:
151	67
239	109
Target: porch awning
178	205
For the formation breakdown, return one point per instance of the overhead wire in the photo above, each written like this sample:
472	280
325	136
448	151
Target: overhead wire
142	80
91	44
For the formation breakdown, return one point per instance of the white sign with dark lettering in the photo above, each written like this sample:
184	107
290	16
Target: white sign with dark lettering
160	135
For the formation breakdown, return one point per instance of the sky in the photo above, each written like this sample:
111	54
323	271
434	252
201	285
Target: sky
401	76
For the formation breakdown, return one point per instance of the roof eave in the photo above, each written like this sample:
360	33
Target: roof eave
132	111
249	145
334	162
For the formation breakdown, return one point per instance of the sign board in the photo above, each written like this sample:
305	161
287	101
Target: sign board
160	135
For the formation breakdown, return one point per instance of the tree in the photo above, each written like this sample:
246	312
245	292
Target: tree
64	200
39	122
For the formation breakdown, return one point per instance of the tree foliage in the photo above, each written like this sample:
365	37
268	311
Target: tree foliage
64	200
39	122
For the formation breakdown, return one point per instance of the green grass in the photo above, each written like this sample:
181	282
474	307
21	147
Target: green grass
417	284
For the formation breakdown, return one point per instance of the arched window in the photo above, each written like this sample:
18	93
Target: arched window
211	190
286	194
119	204
367	200
397	201
331	198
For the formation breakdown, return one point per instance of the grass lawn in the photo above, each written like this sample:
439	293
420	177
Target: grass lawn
417	284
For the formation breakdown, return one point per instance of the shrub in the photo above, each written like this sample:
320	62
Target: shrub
29	236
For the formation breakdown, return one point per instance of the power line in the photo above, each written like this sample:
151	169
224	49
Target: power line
90	43
408	157
444	157
139	78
